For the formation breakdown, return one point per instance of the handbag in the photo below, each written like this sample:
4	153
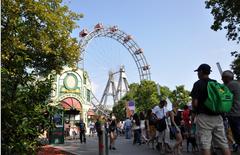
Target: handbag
161	124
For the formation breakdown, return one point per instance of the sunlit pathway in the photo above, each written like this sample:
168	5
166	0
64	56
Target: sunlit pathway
124	147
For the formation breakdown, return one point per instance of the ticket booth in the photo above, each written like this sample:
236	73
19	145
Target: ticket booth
56	135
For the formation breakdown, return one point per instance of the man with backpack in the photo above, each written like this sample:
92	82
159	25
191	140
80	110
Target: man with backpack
234	114
209	123
82	127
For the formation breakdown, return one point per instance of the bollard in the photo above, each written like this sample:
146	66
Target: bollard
101	140
106	142
100	144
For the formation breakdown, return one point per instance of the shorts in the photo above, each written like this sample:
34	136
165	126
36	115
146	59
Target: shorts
210	130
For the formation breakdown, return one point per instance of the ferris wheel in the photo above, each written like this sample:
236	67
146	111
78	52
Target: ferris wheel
127	43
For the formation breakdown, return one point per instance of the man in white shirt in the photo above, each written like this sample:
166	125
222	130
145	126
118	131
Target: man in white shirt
162	136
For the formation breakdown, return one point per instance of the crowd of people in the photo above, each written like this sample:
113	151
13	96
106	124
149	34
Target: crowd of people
158	126
206	130
75	131
166	130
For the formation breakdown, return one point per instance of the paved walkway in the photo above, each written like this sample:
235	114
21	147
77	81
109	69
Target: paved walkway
124	147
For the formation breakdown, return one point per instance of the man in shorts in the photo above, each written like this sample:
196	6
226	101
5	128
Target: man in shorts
210	128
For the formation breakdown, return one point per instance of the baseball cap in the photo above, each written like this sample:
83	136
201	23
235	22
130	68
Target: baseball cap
204	68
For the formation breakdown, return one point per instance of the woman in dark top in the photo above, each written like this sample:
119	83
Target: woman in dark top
176	131
143	127
150	126
112	130
136	129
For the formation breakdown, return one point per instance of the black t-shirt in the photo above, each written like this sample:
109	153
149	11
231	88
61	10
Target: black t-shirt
82	126
152	119
177	118
112	126
200	93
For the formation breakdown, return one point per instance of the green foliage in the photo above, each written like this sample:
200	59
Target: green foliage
226	15
35	42
180	96
236	64
165	92
146	95
131	95
119	110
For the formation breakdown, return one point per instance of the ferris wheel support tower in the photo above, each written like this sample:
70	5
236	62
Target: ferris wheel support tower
110	90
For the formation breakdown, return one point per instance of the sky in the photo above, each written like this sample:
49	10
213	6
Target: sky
175	35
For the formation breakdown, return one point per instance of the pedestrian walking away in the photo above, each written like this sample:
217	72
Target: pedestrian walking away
176	131
234	114
209	124
113	135
128	128
143	127
150	125
136	129
91	128
82	127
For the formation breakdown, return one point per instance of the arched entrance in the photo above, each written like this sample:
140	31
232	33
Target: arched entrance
72	110
72	113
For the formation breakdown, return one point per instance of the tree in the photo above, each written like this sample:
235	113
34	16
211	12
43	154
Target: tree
131	95
180	96
236	64
36	41
120	109
146	96
226	15
165	92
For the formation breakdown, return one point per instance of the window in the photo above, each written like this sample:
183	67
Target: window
88	95
84	80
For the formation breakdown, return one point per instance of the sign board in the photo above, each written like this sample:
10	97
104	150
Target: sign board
131	105
130	108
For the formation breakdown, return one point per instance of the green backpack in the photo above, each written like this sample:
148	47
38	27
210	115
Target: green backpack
219	99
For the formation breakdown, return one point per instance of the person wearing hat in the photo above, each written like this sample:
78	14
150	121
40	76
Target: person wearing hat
234	114
209	125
